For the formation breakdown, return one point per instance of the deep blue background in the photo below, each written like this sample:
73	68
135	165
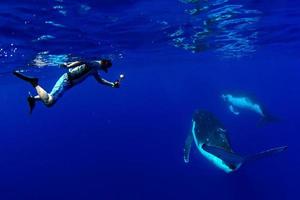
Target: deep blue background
103	143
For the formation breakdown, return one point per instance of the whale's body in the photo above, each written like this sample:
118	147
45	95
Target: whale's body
211	139
202	139
239	102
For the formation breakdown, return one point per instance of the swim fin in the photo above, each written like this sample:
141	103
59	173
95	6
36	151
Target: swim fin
33	81
31	102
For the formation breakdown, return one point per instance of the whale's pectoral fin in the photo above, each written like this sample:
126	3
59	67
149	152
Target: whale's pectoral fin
266	153
233	110
187	148
233	160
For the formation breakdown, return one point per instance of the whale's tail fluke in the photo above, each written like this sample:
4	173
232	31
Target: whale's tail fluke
235	161
266	153
268	118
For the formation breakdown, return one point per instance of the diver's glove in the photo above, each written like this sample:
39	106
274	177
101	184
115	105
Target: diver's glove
116	84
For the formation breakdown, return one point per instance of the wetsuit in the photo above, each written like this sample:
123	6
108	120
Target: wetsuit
74	76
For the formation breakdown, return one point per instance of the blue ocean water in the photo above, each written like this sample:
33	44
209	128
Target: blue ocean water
127	143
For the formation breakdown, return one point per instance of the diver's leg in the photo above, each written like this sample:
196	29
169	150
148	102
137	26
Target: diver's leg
43	95
60	87
37	98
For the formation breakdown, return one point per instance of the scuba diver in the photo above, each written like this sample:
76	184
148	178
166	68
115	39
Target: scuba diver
78	71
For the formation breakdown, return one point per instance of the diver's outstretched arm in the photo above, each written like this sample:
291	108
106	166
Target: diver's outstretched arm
106	82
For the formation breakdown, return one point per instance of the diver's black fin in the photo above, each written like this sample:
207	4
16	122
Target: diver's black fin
187	148
266	153
31	102
232	159
33	81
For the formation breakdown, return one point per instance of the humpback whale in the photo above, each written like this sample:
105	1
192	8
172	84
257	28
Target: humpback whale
236	102
241	102
211	139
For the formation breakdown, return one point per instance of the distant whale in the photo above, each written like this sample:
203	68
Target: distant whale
240	102
212	141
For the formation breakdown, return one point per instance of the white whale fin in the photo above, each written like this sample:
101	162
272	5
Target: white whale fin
235	161
187	148
233	110
232	160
